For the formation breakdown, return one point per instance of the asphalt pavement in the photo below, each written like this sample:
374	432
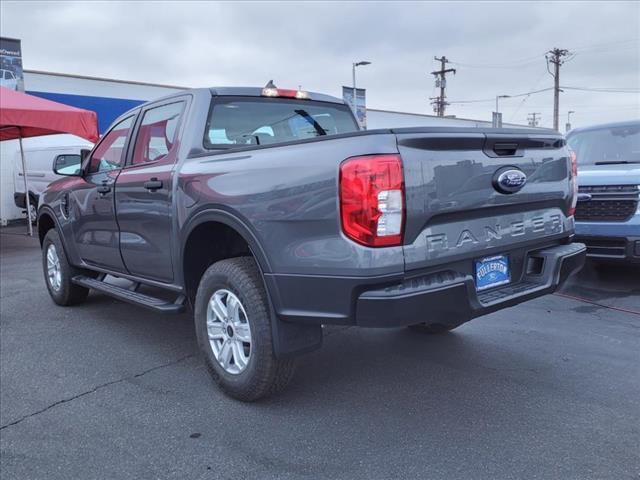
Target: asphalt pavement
549	389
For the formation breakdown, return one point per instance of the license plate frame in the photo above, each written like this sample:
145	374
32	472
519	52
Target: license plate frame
491	272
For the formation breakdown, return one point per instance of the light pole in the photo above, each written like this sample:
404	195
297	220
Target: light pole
353	100
497	121
568	125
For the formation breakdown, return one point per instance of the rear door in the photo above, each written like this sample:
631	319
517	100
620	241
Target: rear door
144	192
91	204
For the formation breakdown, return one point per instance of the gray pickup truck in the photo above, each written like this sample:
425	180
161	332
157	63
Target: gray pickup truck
270	214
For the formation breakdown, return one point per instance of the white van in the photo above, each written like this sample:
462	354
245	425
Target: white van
8	79
39	160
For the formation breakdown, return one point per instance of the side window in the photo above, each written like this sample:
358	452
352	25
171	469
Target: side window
157	133
109	154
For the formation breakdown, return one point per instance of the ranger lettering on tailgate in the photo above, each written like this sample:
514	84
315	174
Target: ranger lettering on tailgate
471	235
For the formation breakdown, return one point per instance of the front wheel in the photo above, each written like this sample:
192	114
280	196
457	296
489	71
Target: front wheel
233	327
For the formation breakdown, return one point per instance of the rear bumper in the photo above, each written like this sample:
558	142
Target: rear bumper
447	297
452	299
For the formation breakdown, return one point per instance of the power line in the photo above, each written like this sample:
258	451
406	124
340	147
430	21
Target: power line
526	97
533	59
596	89
501	65
604	89
494	98
599	46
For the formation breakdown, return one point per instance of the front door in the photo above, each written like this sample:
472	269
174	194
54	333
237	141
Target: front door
144	194
92	204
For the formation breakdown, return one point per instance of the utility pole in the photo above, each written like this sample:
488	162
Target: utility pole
555	57
439	103
532	118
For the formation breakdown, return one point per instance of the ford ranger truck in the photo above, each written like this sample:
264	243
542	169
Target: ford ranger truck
608	210
269	214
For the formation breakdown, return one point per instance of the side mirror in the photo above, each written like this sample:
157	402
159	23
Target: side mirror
68	165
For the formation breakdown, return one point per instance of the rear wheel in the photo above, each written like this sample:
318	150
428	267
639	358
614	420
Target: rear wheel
233	326
432	329
58	272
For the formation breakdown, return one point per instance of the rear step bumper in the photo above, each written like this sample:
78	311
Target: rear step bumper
130	296
450	298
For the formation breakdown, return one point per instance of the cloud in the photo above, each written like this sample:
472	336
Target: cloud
314	43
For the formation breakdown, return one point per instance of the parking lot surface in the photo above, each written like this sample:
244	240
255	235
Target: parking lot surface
549	389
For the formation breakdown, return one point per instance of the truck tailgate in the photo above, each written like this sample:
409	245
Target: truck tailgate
454	209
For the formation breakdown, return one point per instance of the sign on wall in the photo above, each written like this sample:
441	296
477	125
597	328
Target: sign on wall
11	75
360	109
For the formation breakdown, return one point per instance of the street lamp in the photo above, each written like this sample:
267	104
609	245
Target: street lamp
499	97
356	64
568	125
496	117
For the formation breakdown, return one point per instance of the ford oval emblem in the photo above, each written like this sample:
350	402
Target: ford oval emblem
509	180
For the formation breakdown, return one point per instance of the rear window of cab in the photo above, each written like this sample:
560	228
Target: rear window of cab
242	121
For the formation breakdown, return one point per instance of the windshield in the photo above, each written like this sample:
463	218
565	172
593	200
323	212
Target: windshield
607	145
236	121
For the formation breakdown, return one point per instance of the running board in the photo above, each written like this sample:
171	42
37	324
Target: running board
131	296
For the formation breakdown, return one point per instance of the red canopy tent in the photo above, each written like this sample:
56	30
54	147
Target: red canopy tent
23	116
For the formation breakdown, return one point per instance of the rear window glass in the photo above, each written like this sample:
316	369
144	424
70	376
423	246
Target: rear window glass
619	144
237	121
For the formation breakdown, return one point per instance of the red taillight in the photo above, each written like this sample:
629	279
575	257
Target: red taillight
573	182
372	200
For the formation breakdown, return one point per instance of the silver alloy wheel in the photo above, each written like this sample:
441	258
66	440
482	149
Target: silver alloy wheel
229	331
34	212
54	275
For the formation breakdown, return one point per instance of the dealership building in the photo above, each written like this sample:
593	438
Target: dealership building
109	98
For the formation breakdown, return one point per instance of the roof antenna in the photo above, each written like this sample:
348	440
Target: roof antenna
270	84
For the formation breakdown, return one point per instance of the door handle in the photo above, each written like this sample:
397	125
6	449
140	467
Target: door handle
104	189
153	184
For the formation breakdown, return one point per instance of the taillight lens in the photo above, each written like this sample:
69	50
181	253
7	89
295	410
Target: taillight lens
372	200
573	182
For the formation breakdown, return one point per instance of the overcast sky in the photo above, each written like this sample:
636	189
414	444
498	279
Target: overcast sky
498	48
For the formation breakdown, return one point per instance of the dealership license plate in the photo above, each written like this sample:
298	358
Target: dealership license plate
492	271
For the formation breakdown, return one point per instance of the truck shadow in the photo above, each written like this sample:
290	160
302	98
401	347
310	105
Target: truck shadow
602	282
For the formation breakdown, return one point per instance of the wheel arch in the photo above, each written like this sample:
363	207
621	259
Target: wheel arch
223	221
46	221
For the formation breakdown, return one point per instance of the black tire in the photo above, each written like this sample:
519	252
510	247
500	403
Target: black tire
264	374
432	329
34	206
68	292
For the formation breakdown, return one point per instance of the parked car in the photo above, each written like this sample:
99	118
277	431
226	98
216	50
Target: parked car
39	159
270	214
8	79
608	210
